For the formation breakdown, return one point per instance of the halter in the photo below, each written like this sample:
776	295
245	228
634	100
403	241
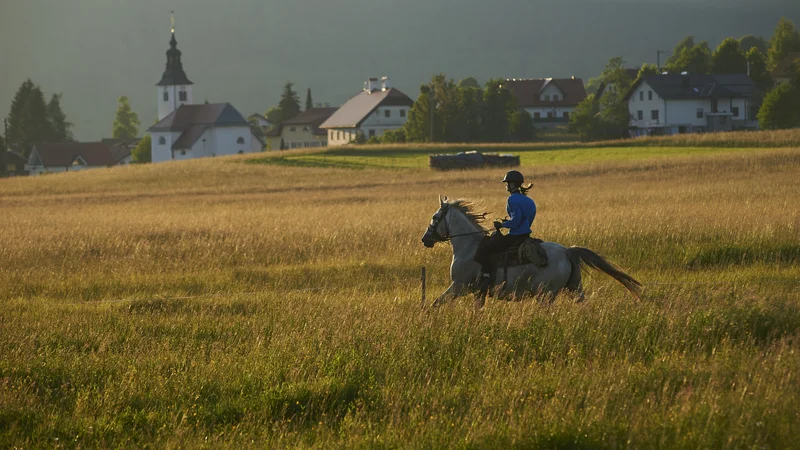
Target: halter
439	238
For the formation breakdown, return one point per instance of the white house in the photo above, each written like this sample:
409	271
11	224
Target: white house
185	130
51	157
197	131
370	113
687	103
549	101
302	130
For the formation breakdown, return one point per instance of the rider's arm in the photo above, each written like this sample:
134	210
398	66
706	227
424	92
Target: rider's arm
515	212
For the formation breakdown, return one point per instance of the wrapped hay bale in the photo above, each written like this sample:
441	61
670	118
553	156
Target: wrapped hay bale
472	160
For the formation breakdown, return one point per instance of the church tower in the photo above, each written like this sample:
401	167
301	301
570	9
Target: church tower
174	89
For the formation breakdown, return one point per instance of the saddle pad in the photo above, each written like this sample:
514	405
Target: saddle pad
531	250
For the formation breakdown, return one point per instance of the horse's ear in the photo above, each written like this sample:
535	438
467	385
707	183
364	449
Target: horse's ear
445	199
440	199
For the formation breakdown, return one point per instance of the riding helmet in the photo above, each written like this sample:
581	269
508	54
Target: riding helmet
514	177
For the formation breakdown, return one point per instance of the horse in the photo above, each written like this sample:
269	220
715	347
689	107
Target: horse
456	221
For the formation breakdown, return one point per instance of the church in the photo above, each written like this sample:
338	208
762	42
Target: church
185	130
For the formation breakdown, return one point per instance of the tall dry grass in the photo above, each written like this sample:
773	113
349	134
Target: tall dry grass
221	304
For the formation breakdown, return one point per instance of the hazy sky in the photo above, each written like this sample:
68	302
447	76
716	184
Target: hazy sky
243	51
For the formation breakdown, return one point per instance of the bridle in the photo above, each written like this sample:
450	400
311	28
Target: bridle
432	228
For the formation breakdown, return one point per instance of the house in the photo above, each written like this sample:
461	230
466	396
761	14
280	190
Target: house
370	113
631	74
302	130
197	131
185	130
783	71
687	103
549	101
51	157
259	121
15	164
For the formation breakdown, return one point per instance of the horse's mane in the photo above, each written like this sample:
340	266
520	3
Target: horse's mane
468	209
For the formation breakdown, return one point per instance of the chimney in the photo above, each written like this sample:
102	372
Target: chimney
385	83
371	84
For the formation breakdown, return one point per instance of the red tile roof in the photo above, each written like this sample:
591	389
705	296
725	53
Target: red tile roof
63	154
528	91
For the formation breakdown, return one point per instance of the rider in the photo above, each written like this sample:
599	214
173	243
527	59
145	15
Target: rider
521	210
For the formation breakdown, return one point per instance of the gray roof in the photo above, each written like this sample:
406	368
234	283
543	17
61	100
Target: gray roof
355	110
676	86
313	117
215	114
193	120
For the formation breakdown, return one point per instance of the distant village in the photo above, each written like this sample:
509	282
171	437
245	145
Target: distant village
717	92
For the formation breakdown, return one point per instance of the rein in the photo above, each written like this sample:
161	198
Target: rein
432	228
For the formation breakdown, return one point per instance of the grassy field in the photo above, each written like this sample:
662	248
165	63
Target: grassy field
225	303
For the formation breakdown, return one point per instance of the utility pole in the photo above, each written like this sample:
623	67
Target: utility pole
658	58
3	166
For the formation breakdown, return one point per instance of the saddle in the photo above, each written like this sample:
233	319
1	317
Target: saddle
530	251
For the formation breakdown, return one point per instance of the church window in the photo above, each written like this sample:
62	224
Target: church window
166	95
240	140
162	141
182	96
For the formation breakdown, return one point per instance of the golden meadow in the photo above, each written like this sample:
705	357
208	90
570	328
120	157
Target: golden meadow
221	303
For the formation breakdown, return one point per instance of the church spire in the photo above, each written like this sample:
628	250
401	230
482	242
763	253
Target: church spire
173	74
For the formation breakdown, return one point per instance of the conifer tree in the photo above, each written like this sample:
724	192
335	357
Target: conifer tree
309	102
59	125
27	121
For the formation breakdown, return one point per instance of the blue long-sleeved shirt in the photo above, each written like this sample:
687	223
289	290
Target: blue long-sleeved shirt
521	210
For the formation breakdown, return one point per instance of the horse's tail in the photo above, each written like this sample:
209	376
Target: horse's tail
583	257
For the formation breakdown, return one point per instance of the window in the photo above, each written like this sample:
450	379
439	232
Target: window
162	141
735	111
240	140
549	114
387	113
166	95
305	128
183	152
241	152
640	115
331	135
402	113
182	96
537	115
371	133
654	115
547	98
649	95
714	105
723	120
555	97
566	115
338	135
699	113
641	95
291	128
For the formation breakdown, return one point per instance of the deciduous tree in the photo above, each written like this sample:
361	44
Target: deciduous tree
748	42
126	123
696	59
142	152
785	39
781	106
728	58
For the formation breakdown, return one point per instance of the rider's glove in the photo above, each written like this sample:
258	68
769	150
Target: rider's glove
498	225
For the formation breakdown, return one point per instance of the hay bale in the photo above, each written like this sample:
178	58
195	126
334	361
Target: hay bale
472	160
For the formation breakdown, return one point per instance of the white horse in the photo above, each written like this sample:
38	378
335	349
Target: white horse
456	222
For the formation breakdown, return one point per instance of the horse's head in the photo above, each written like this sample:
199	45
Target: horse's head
437	230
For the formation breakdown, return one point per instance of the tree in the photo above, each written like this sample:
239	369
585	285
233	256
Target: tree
584	118
309	102
447	115
126	124
593	85
27	121
749	42
684	44
647	69
498	105
520	125
758	69
781	107
785	40
696	59
470	104
142	152
728	58
608	117
290	103
418	126
469	82
59	125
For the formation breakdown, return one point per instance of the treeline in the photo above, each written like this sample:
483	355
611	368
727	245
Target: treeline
608	117
463	112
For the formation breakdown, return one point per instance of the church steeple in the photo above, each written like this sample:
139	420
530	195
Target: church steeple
174	89
174	74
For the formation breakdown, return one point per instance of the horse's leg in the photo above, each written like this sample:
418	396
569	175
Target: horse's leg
453	291
574	284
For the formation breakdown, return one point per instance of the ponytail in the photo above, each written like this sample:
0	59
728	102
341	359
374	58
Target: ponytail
524	189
